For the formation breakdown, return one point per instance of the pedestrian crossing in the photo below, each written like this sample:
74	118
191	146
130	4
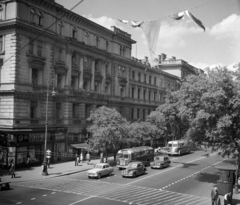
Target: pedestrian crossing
118	192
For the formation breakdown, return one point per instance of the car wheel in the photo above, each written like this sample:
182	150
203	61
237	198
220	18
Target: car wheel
179	153
89	177
161	166
144	171
134	175
99	176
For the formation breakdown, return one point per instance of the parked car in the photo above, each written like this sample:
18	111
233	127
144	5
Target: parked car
160	162
99	170
134	169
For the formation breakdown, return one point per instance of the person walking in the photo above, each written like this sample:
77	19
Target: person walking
214	196
88	158
12	169
228	198
81	157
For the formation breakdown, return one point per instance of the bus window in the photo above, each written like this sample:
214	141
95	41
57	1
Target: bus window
169	145
174	145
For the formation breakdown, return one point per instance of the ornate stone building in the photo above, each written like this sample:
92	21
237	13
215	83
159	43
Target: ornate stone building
45	47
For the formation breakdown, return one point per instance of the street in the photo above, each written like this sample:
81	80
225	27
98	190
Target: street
188	180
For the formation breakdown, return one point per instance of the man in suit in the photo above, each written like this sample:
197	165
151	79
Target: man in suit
228	198
214	195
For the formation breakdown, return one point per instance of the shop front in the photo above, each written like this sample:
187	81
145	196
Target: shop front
23	145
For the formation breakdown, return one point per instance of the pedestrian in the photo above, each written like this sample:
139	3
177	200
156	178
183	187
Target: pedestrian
88	157
81	157
228	198
214	196
48	162
76	160
12	169
28	161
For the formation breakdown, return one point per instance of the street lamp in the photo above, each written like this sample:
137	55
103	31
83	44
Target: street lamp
44	170
236	153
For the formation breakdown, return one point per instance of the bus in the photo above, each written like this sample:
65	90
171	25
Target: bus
178	147
143	154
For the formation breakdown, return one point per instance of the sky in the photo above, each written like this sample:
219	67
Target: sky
219	45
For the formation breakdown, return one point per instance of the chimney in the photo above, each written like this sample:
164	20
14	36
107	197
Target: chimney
173	58
163	56
159	58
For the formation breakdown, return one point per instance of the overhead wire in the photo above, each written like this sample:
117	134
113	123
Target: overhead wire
32	40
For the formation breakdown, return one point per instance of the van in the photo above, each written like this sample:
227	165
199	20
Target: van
178	147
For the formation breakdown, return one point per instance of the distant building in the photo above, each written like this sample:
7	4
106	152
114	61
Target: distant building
44	46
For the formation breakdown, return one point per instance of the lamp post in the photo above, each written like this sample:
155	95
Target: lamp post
44	169
236	153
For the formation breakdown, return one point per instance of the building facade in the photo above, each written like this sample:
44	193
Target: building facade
43	48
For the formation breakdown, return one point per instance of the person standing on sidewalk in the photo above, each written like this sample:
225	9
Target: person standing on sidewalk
88	157
214	196
12	169
28	160
228	198
81	157
76	160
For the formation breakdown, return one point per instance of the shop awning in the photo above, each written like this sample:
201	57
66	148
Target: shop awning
80	146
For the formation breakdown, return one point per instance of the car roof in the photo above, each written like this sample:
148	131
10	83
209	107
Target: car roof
136	162
102	164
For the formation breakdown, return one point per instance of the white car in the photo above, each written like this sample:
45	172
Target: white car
99	170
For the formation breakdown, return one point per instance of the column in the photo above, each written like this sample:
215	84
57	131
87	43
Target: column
93	74
69	71
103	71
81	73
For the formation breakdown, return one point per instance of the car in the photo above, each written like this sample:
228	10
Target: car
134	169
160	162
99	170
162	150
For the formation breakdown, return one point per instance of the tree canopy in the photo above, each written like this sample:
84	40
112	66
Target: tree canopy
210	104
108	129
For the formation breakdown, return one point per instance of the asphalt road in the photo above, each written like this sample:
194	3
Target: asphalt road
188	180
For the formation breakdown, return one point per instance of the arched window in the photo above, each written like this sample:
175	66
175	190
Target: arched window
86	35
97	41
40	18
32	15
74	33
107	45
60	27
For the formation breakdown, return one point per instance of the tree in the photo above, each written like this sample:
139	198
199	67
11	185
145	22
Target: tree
140	133
108	129
211	104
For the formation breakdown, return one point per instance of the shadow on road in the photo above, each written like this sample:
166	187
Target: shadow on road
207	177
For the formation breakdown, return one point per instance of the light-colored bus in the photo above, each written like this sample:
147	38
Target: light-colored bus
178	147
143	154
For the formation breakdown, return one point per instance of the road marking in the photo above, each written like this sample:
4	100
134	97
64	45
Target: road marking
166	170
81	200
33	199
53	192
44	195
19	202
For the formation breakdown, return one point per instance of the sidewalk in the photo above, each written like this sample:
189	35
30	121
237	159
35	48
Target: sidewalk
55	170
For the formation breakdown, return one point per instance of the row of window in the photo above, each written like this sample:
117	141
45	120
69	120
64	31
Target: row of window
37	17
145	96
140	113
1	43
139	78
35	111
